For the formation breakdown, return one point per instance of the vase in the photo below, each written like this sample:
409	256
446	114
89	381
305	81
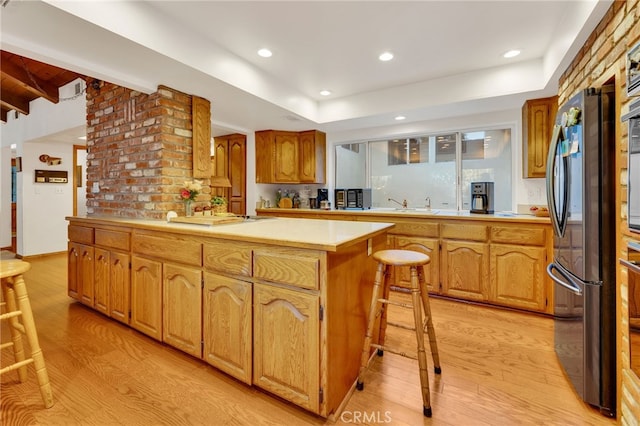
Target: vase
188	208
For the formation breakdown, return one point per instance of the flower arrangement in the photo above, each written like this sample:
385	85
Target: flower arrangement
189	193
191	190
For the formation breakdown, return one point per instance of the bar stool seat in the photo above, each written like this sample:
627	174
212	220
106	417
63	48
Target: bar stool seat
16	305
419	302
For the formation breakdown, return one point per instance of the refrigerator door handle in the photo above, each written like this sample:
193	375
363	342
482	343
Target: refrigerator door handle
569	285
551	160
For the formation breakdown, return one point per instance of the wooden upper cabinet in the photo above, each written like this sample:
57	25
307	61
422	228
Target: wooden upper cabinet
229	162
538	118
201	133
286	164
290	157
312	156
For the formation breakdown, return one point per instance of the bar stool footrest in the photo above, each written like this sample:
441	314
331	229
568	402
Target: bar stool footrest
393	351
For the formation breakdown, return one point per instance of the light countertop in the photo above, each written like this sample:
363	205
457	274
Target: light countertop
327	235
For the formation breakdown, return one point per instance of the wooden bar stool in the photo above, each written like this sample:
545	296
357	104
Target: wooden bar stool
16	304
419	297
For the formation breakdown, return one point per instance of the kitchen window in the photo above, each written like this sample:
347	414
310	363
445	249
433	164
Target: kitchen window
438	166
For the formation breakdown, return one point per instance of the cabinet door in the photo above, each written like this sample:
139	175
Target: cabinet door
237	174
465	272
518	276
538	117
119	287
101	280
182	308
286	160
312	157
86	275
73	268
146	296
428	246
286	344
227	334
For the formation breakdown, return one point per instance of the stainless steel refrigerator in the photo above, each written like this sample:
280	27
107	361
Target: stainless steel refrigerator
581	197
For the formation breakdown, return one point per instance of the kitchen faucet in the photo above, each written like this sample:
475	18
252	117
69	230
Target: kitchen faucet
428	203
403	203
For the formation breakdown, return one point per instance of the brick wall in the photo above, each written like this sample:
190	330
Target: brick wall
602	59
139	151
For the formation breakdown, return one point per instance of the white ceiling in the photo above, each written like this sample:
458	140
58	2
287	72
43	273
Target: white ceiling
448	54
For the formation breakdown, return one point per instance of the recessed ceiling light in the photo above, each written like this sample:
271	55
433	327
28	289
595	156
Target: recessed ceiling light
265	53
325	92
386	56
511	54
400	117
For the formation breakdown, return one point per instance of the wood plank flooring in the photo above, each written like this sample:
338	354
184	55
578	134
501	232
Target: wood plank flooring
498	368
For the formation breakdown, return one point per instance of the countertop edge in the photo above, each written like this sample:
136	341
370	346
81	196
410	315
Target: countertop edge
210	232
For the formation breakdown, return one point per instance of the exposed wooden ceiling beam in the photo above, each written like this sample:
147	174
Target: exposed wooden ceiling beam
31	83
10	101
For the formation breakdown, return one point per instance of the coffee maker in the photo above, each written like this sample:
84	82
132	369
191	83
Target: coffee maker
323	195
482	197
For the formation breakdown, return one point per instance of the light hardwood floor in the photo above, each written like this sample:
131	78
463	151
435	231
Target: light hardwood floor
498	368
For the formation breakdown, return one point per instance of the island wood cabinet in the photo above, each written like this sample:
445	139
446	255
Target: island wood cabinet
290	157
80	272
228	308
146	296
498	261
166	290
286	344
538	117
269	315
228	325
111	274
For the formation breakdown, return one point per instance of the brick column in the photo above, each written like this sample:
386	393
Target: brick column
139	151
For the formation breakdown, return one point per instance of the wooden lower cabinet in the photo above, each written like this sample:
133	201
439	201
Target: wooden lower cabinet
146	296
518	276
80	268
286	339
112	284
465	266
227	325
182	308
428	246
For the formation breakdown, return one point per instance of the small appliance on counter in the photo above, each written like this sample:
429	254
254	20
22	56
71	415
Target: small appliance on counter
482	197
340	197
353	199
323	195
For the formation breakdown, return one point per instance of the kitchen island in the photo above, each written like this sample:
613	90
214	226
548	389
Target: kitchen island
277	303
495	259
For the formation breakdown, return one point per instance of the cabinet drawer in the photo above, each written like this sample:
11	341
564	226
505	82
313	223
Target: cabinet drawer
417	228
113	239
173	249
464	231
518	235
228	257
292	267
80	234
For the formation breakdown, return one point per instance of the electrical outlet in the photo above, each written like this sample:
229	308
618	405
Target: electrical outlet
59	190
